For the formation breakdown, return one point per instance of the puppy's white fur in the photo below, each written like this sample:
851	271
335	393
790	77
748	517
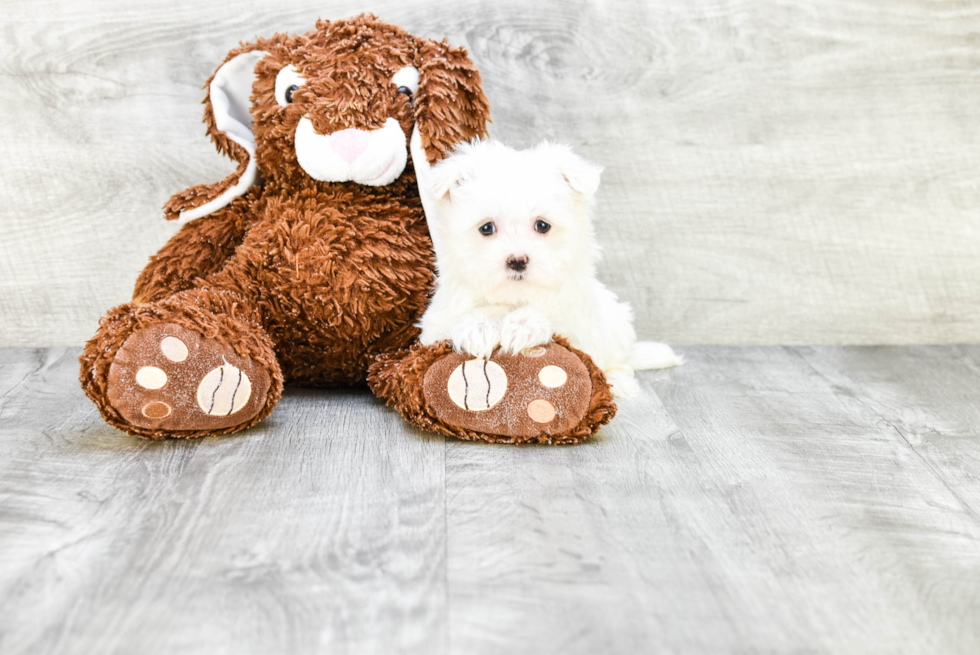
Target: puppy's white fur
480	303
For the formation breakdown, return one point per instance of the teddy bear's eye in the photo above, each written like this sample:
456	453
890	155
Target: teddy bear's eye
404	90
541	226
288	82
487	229
406	80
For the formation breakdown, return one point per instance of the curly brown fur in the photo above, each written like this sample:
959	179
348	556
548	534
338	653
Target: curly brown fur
398	377
312	280
202	247
236	326
450	103
329	275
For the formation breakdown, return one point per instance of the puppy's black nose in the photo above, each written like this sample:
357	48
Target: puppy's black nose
516	263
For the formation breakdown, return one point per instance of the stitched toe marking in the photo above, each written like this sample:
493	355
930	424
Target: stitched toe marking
541	411
151	377
157	410
173	349
552	376
477	385
224	391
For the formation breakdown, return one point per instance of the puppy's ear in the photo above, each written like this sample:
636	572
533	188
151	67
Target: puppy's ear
444	176
227	113
454	170
450	106
581	174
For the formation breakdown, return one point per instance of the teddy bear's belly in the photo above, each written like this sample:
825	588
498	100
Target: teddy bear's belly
334	294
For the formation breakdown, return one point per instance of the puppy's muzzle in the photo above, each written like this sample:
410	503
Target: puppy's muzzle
518	264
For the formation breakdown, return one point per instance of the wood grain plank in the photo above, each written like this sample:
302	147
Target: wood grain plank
884	556
319	531
776	171
755	507
770	499
561	550
929	396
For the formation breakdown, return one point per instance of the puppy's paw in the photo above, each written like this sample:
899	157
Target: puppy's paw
524	328
477	336
623	384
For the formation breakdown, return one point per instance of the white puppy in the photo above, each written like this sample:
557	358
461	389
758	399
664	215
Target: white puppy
516	258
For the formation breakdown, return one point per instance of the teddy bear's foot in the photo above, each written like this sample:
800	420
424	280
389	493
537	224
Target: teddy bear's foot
169	378
182	368
546	394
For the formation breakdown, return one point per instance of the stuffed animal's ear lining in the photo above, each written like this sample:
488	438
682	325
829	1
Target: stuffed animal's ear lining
423	177
230	94
228	117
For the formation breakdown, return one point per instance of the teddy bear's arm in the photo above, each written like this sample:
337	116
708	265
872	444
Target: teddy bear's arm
200	248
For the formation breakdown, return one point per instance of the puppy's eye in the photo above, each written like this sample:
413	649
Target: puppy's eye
541	226
487	229
290	91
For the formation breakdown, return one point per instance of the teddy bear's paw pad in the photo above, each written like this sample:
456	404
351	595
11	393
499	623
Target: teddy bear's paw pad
167	377
531	396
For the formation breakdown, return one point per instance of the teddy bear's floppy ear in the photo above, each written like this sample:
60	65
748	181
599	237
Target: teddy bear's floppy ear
450	106
229	120
450	109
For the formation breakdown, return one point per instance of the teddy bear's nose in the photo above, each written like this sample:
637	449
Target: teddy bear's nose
349	144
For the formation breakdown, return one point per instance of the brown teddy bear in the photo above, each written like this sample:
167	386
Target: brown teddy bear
312	263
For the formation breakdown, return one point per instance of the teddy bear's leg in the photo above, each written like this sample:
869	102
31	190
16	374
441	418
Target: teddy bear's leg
195	364
200	248
547	394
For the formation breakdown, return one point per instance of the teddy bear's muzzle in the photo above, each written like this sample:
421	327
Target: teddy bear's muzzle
371	157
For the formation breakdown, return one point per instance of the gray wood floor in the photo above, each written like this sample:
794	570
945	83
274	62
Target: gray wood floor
756	500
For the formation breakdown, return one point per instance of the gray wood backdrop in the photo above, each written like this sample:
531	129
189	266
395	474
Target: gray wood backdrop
781	171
